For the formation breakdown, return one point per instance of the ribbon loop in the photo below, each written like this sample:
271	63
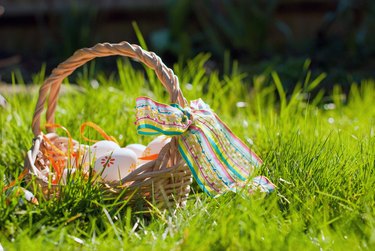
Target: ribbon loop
155	118
218	159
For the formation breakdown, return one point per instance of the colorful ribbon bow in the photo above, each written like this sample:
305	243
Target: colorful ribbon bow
218	159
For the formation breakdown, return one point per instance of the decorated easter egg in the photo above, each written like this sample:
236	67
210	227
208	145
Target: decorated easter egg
138	149
152	150
99	149
114	166
156	145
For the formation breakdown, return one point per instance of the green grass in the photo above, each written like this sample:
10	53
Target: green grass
318	150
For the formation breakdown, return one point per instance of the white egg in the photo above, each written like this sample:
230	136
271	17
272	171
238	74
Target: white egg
153	148
156	145
99	149
138	149
114	166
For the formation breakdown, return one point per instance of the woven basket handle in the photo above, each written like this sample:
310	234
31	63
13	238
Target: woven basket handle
53	82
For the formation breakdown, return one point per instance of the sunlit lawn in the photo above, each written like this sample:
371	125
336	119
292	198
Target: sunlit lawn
317	149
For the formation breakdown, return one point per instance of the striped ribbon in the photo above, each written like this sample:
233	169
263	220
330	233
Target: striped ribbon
218	159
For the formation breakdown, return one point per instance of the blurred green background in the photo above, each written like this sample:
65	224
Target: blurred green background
262	35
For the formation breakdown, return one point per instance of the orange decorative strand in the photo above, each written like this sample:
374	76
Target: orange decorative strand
57	166
98	129
70	139
55	148
149	157
76	156
19	178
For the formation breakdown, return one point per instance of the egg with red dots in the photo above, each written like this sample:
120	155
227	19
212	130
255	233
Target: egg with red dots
116	165
99	149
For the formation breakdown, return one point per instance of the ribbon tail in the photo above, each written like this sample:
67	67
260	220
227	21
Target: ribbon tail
218	159
209	168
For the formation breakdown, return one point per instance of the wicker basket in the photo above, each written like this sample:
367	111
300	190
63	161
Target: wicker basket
164	181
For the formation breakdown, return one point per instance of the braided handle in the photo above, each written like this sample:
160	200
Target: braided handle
53	82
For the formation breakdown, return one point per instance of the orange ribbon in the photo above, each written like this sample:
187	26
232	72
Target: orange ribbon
19	178
149	157
98	129
59	164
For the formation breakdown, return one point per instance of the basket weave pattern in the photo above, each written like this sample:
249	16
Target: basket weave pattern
165	181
